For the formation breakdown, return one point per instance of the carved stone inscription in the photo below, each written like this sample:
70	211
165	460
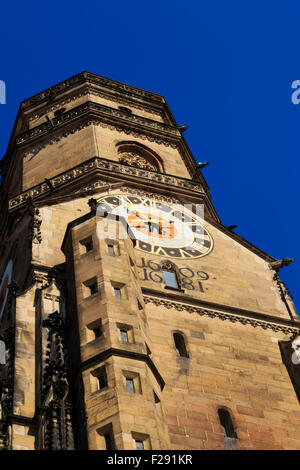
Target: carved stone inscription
188	278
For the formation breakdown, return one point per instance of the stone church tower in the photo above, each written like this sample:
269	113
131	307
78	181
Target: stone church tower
127	322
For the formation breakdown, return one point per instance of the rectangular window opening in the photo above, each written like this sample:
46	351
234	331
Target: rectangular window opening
117	292
139	445
105	438
86	245
142	441
102	378
89	246
93	288
124	336
111	250
130	385
98	331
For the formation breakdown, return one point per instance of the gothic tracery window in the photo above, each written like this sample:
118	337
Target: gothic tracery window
135	154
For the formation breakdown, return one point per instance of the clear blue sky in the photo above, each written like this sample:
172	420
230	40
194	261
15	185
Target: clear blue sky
226	69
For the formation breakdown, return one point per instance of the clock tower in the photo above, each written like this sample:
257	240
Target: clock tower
130	316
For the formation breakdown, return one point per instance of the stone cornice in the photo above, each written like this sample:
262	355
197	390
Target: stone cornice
102	113
92	91
88	363
111	169
244	317
91	113
106	166
83	77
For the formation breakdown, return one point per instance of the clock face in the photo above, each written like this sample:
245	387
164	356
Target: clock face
160	228
6	279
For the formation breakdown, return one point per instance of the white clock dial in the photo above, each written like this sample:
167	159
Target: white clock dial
160	228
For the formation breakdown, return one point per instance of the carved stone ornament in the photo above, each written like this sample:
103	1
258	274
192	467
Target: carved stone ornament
277	327
58	431
278	264
35	227
133	159
168	265
296	353
97	80
92	92
282	288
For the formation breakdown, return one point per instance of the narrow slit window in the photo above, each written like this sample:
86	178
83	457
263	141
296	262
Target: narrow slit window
109	442
180	345
226	423
105	438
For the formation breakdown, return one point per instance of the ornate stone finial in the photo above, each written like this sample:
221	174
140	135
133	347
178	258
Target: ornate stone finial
93	204
61	387
277	265
53	322
51	276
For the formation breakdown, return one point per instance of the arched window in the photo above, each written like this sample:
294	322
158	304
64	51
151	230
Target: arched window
170	278
138	155
226	423
180	345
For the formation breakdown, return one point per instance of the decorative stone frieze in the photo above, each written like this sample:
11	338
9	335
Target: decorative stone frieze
275	326
102	113
105	165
